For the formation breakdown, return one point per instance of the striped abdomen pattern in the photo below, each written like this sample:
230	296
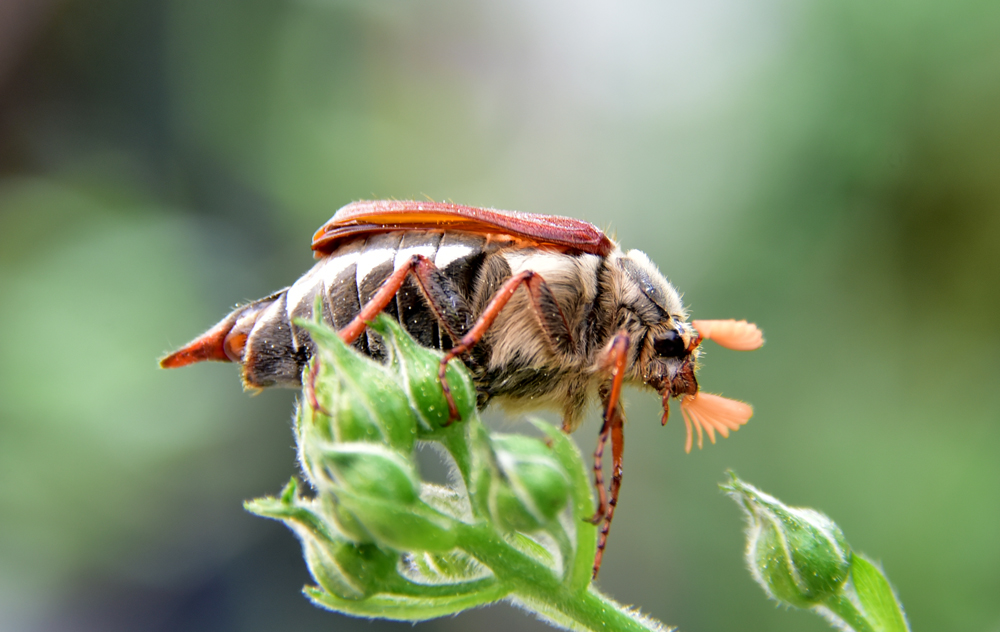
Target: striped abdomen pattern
277	350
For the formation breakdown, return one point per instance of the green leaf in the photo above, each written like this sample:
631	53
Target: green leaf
399	607
348	569
291	512
877	597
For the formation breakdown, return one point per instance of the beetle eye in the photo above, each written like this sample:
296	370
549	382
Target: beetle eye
669	345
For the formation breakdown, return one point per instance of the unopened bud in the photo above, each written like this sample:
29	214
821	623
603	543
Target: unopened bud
799	556
532	488
367	469
364	400
375	496
346	569
343	568
416	527
418	369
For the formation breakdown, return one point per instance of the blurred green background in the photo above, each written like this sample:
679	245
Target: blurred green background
829	169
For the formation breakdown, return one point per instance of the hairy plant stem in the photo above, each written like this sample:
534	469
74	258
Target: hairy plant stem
542	588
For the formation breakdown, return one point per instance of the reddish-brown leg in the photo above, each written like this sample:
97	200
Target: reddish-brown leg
543	303
553	322
602	494
614	421
617	451
423	270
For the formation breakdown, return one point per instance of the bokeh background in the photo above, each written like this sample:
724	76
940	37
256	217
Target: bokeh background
829	169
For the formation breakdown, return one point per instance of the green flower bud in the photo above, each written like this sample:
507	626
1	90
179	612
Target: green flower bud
364	399
798	555
532	487
346	521
346	569
338	418
351	567
373	494
416	527
341	567
352	419
366	469
418	367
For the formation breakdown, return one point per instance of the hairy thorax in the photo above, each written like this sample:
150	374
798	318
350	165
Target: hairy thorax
524	371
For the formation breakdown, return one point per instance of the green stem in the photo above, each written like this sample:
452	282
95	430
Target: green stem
542	589
457	446
566	549
470	448
844	608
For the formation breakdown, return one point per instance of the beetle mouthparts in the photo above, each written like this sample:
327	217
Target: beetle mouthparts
666	393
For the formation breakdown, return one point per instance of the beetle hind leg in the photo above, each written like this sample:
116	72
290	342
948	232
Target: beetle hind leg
444	301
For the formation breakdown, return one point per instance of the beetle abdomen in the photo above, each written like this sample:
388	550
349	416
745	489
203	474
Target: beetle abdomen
276	350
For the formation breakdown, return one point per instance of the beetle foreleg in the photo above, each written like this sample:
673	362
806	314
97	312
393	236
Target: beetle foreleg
614	426
617	452
602	494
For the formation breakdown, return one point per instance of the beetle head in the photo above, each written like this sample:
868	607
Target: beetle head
669	358
656	318
669	347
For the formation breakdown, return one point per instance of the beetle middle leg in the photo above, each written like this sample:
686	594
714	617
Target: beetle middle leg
615	360
543	303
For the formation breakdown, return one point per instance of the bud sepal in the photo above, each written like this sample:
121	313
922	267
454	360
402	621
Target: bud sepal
419	368
532	488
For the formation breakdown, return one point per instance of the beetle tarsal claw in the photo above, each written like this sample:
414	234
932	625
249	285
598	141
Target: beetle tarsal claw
599	516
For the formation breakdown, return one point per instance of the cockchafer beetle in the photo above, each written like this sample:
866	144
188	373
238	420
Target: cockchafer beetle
589	319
